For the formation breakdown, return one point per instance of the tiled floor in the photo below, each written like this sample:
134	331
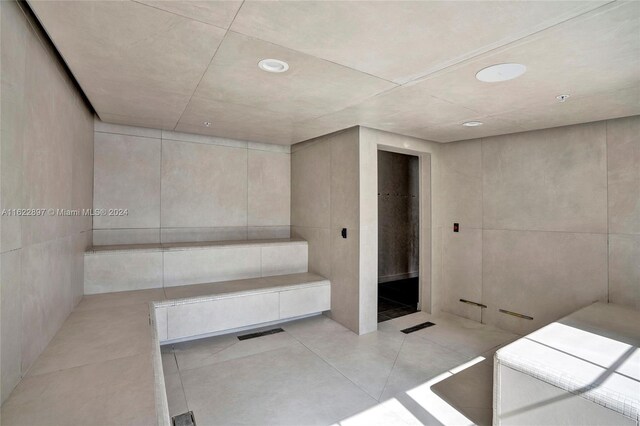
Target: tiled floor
397	298
318	372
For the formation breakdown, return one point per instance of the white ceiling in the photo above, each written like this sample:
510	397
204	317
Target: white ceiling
406	67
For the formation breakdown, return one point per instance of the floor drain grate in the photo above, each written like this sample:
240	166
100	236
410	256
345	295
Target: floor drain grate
184	419
417	327
260	334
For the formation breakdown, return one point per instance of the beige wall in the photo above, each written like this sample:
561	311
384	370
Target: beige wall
185	187
46	162
324	199
550	222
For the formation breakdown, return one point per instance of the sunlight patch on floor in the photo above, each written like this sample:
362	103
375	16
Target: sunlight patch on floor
392	411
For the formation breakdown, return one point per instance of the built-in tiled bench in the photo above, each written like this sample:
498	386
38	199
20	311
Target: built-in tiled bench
215	308
109	347
136	267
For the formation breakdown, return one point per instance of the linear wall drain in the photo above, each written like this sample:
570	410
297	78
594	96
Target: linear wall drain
260	334
417	327
184	419
515	314
469	302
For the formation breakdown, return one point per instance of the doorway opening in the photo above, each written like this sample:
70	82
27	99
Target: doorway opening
398	234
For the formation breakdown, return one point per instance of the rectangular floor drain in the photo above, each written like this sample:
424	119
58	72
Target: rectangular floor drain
260	334
417	327
184	419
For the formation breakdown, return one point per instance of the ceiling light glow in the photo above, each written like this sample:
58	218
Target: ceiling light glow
472	123
500	72
273	65
562	98
207	124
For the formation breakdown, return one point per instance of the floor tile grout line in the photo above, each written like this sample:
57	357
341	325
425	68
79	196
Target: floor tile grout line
395	361
332	366
212	354
184	393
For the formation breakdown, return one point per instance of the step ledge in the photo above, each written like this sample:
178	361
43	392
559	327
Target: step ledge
248	292
200	245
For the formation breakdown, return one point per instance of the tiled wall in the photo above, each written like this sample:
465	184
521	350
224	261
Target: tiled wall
46	162
325	199
549	222
181	187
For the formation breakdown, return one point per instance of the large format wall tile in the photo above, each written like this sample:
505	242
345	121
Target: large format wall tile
545	275
461	184
203	185
47	147
344	167
107	237
623	158
311	186
47	162
127	176
248	199
182	235
269	188
462	271
624	270
547	180
47	294
268	232
345	285
11	321
12	116
319	246
284	259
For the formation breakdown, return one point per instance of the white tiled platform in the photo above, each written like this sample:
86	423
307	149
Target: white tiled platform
205	309
143	266
318	372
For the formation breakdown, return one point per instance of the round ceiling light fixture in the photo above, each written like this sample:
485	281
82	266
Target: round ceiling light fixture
472	123
500	72
273	65
207	124
562	98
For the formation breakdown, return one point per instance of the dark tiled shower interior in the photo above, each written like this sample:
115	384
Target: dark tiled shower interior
397	298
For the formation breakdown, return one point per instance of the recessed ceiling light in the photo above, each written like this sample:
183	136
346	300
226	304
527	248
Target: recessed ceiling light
207	124
562	98
273	65
501	72
472	123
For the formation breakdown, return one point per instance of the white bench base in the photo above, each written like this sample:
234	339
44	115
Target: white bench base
255	302
583	369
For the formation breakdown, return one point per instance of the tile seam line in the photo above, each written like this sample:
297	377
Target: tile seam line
331	365
207	68
540	230
28	375
184	393
212	353
237	358
177	14
393	367
427	75
606	163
